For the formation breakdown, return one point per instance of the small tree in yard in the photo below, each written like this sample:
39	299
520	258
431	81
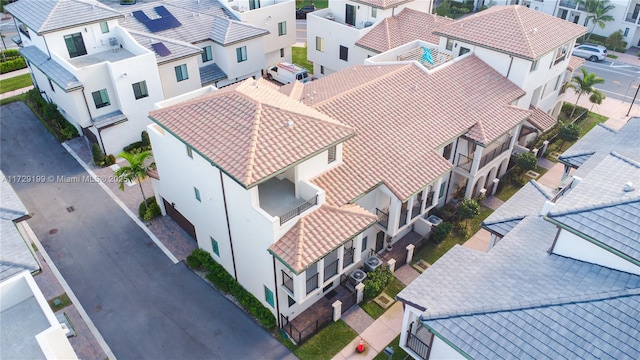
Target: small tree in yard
596	97
136	170
525	162
583	85
616	40
468	209
568	132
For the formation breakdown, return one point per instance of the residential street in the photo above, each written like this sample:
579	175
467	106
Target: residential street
621	80
144	306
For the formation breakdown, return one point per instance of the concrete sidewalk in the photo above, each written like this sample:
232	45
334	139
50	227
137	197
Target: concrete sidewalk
615	110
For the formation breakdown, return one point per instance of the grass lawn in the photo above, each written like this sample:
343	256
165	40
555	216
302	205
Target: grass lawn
64	302
374	310
511	188
21	97
299	55
611	56
586	125
320	4
398	353
327	343
14	83
431	251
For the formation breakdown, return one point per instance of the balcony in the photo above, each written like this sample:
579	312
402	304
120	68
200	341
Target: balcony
571	4
277	197
383	218
420	341
632	15
429	57
104	56
493	153
465	162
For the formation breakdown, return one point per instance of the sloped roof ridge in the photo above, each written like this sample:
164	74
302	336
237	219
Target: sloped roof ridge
504	220
541	188
527	305
253	144
317	117
363	85
162	38
626	159
576	155
602	125
598	206
483	133
521	23
351	209
229	90
300	243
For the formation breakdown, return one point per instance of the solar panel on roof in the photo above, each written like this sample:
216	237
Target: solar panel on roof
164	22
162	11
141	16
161	49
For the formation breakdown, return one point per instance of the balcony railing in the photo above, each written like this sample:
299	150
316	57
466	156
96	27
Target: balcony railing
465	162
299	210
416	344
312	283
330	270
571	4
492	154
383	218
287	281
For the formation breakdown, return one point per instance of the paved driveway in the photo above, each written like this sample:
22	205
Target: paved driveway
145	306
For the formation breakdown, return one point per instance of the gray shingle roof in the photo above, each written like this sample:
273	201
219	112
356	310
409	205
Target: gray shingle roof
15	255
50	15
604	139
599	208
211	73
54	71
227	32
179	49
471	288
527	201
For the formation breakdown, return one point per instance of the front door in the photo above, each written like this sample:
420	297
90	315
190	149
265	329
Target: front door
350	15
379	241
180	219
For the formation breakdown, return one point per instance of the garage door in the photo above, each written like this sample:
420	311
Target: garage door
180	219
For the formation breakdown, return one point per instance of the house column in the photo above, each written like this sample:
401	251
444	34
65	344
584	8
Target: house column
545	144
357	254
394	215
359	292
514	138
477	155
299	286
337	310
496	181
410	249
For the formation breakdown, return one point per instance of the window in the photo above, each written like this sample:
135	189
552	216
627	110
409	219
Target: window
350	15
181	72
626	32
104	27
254	4
207	55
101	98
140	90
282	28
268	296
287	281
241	54
443	187
374	12
364	244
561	54
463	50
331	154
557	82
189	152
51	84
331	263
214	245
319	44
312	278
197	193
291	301
446	152
449	45
282	52
344	53
348	254
322	69
534	66
75	45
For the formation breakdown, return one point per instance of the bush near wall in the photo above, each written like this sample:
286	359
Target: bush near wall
50	116
202	260
11	60
376	281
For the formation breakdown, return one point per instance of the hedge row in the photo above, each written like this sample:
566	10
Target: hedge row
12	65
61	128
202	260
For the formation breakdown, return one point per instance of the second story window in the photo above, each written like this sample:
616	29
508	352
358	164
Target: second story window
181	72
254	4
350	15
104	27
101	98
140	90
344	53
348	254
241	54
561	53
206	54
197	193
449	45
331	157
75	45
282	28
374	12
319	44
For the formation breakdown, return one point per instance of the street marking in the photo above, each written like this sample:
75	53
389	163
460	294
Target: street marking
122	205
613	71
83	314
616	82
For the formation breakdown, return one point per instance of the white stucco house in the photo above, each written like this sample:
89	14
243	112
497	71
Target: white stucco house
567	262
105	67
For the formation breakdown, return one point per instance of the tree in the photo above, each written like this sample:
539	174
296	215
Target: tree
568	132
525	162
444	9
583	85
468	209
615	40
598	13
596	97
136	170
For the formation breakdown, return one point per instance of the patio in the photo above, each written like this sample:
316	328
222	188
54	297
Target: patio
399	251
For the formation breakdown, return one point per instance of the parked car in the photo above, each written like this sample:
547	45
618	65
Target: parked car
303	11
286	73
590	51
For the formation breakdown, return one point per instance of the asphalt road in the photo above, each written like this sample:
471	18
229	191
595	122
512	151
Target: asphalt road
621	80
301	30
8	30
145	306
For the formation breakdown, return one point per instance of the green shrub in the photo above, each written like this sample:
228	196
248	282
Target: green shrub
142	208
442	231
193	262
97	154
468	209
568	132
152	212
615	41
10	54
376	281
525	162
12	65
109	160
145	139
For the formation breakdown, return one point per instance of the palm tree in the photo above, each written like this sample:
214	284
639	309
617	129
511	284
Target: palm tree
583	85
598	13
596	97
136	170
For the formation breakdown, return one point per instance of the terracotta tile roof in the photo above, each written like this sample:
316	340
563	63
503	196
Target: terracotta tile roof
407	26
514	29
250	130
402	115
541	119
320	232
574	63
382	4
485	131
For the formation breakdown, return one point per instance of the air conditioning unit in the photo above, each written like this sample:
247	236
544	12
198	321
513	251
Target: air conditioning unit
372	263
357	277
113	41
367	24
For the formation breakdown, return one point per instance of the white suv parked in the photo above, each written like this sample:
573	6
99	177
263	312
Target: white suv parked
590	52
